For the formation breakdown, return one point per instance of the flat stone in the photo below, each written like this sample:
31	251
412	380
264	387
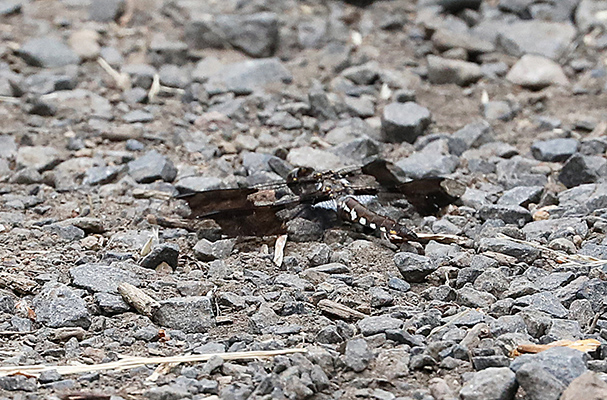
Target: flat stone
521	196
544	38
111	303
105	10
521	251
536	72
48	52
510	214
137	116
246	76
373	325
404	122
40	158
445	39
58	306
444	70
554	150
102	278
191	314
320	160
544	301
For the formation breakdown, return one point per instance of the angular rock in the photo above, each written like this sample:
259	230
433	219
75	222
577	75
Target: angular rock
414	268
544	301
152	167
580	169
536	72
538	382
563	363
255	34
443	70
191	314
521	196
510	214
58	306
358	355
404	122
373	325
554	150
164	253
490	384
263	319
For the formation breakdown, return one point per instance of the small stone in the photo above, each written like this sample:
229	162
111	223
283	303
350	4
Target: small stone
414	268
498	110
256	35
543	301
206	250
151	167
246	76
285	120
18	382
580	169
100	175
106	10
554	150
443	70
167	253
404	122
47	52
357	356
373	325
263	319
536	72
58	306
111	304
189	314
137	116
40	158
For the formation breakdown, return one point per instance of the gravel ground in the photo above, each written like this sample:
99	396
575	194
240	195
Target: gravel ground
108	109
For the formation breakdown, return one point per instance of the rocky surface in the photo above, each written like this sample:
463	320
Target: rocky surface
111	108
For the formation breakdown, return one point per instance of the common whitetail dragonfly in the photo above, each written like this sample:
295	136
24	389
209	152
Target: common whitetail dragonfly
264	210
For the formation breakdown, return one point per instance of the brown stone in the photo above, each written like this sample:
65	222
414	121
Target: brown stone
587	386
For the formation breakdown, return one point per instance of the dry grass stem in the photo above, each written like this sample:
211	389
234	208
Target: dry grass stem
135	362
